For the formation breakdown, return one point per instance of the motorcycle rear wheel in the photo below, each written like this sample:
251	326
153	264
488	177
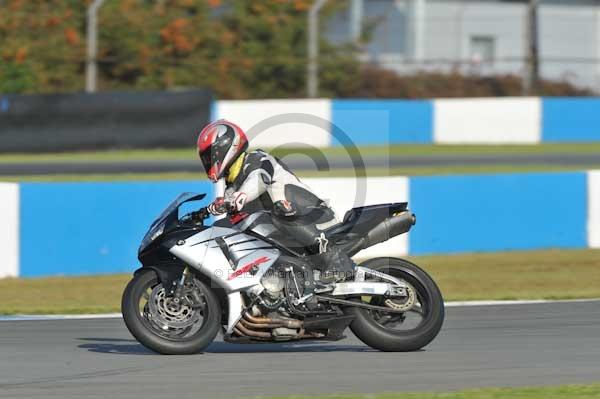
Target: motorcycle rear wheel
161	326
369	327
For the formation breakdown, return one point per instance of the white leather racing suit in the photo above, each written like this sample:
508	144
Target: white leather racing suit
264	182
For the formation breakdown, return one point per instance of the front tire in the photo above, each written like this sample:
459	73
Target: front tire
168	331
375	334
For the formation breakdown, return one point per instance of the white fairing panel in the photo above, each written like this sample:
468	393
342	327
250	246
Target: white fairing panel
253	257
202	252
234	301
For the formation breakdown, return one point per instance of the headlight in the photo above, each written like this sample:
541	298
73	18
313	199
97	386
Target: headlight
158	232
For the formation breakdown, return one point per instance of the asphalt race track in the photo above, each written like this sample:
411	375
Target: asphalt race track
303	163
509	345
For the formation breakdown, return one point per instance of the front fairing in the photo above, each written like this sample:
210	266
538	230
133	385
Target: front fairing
167	221
157	251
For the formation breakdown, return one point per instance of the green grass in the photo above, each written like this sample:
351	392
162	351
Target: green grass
400	149
62	295
550	274
553	274
106	177
559	392
102	156
446	149
405	171
383	151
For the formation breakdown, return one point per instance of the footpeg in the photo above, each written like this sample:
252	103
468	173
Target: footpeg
303	299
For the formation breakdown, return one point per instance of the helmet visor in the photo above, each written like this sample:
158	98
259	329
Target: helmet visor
212	159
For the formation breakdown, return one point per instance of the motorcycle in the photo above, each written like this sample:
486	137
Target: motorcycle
242	276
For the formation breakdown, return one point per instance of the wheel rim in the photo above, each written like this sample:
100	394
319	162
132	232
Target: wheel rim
170	320
417	305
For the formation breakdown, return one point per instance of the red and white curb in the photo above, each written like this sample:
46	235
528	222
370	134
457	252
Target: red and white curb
451	304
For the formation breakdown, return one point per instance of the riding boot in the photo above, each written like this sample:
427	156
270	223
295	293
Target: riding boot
335	265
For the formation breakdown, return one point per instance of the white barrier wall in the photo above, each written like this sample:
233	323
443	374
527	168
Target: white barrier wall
21	204
9	229
502	120
487	121
289	131
594	209
346	193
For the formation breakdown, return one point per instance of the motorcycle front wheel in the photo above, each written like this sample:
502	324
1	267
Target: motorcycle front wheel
167	326
406	331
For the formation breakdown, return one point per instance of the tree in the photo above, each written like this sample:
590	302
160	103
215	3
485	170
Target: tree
265	51
238	48
41	45
155	45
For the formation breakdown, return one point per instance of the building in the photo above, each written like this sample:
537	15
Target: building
476	36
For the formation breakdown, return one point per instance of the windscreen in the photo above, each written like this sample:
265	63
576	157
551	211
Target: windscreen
173	206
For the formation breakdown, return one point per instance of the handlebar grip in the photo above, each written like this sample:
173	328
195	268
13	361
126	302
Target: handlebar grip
200	215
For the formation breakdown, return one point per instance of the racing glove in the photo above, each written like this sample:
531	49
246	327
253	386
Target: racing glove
217	207
231	203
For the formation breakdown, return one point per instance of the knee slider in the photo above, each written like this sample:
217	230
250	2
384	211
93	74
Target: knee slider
284	209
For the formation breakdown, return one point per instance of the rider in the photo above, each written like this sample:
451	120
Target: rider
257	180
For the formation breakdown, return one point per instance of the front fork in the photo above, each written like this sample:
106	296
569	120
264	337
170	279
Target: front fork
181	296
180	285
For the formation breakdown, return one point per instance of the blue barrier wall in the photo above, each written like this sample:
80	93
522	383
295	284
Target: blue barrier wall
570	119
90	228
93	228
374	122
498	212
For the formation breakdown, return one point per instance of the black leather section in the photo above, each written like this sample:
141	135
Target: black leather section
303	229
267	167
304	201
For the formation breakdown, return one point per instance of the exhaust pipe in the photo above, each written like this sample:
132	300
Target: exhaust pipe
243	331
250	326
272	322
388	228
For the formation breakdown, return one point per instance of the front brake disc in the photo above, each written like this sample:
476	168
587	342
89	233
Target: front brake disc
167	313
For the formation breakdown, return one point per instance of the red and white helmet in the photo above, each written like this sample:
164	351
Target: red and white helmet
219	145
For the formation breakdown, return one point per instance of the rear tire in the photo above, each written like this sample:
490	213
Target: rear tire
379	337
140	328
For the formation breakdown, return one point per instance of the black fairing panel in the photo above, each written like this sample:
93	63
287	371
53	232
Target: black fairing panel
362	219
167	274
158	251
